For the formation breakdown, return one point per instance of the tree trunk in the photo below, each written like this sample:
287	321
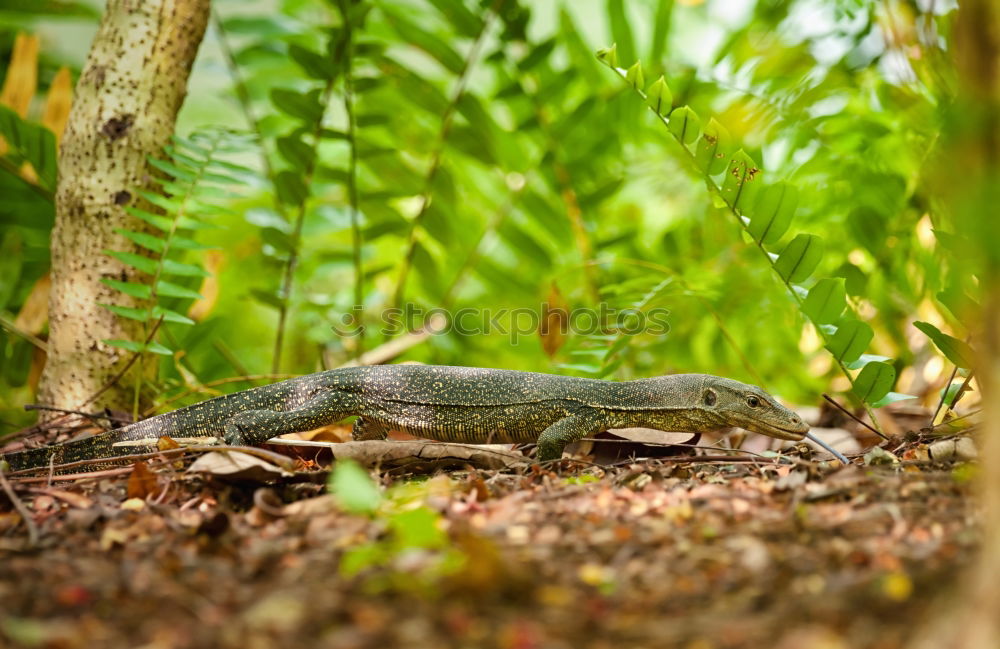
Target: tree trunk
124	109
968	180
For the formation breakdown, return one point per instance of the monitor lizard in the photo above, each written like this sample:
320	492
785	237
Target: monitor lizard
453	404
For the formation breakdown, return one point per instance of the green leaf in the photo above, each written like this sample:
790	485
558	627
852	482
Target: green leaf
372	119
634	76
132	313
465	22
874	381
169	205
424	40
608	56
134	289
741	182
850	340
621	32
712	148
957	351
772	212
183	243
299	154
157	348
171	267
169	289
145	264
799	258
864	359
156	220
353	488
684	124
418	528
659	98
171	316
267	297
173	170
315	65
303	106
30	142
139	348
147	241
892	397
661	29
290	188
538	54
826	300
129	345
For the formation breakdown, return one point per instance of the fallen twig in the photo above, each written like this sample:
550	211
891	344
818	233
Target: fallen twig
29	520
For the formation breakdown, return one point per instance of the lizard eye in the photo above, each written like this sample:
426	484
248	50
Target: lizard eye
753	401
709	398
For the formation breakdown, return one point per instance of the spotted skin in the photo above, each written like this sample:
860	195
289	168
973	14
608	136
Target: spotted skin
453	404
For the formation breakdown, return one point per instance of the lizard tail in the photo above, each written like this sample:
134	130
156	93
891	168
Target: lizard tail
37	458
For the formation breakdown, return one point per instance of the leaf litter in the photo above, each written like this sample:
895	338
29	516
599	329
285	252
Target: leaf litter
699	554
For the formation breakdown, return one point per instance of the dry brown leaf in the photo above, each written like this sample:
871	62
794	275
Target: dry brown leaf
238	466
167	443
141	482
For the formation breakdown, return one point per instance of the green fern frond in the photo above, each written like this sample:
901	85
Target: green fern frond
195	174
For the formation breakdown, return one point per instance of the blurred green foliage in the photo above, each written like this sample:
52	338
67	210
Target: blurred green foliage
475	153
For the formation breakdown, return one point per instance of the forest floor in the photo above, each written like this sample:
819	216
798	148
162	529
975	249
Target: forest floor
663	553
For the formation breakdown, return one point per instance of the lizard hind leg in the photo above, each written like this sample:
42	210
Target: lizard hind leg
252	427
368	429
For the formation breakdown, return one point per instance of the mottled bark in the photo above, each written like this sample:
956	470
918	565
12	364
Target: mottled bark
124	110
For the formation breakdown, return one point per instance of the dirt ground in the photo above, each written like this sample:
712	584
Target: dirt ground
674	552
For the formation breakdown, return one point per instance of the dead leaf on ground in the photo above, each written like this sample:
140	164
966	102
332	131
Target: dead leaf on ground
235	465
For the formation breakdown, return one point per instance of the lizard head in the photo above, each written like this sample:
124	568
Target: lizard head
750	408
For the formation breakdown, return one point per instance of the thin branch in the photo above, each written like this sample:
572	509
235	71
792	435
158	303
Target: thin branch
944	395
850	414
446	121
17	331
962	390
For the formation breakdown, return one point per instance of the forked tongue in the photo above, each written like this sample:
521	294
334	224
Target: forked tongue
835	453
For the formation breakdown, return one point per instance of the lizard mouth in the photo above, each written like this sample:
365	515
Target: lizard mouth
771	430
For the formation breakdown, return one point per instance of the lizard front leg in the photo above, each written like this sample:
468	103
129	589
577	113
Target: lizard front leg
554	439
253	427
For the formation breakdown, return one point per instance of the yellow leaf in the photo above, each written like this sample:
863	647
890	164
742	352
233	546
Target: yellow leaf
35	311
22	75
58	102
214	261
